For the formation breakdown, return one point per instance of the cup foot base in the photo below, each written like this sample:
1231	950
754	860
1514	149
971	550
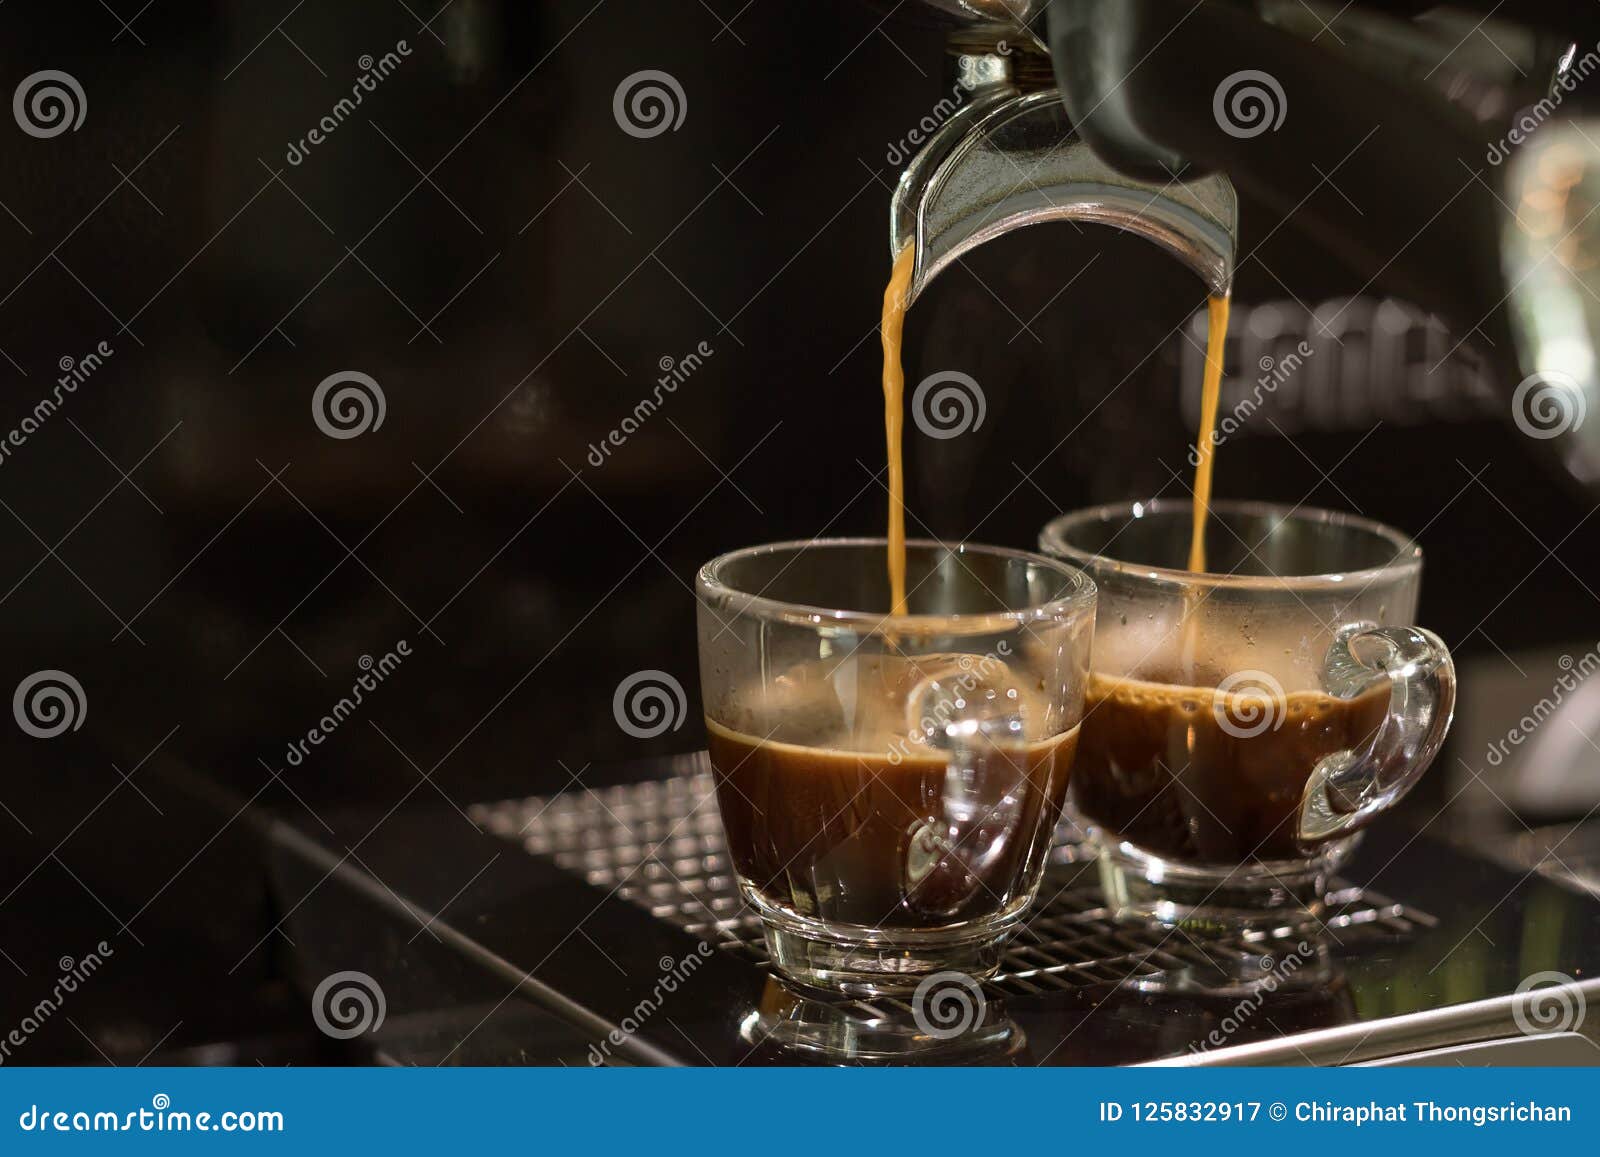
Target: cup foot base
953	1026
862	961
1265	898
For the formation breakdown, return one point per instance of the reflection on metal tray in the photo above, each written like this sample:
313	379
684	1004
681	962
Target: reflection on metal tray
659	845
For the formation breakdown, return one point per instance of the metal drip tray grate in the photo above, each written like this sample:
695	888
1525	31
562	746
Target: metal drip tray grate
659	845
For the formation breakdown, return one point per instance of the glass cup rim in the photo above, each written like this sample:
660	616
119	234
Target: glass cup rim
1407	559
710	582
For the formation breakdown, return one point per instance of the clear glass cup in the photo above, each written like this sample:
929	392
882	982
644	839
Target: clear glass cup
1243	726
889	784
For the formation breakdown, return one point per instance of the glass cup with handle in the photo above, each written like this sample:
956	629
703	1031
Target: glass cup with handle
1243	726
889	784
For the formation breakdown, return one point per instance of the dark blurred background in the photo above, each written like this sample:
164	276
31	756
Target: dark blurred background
483	239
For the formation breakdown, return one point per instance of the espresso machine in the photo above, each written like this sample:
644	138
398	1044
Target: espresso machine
1148	115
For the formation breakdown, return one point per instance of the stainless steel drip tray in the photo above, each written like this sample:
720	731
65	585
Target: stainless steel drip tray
660	845
1423	949
603	926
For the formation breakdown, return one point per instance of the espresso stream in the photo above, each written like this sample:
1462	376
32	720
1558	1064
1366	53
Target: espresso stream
1205	447
894	419
892	330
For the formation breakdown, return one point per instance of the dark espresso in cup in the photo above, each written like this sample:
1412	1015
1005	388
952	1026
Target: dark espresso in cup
845	836
864	821
1203	776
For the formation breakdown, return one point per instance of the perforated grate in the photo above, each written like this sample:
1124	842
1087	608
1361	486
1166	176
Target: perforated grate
659	845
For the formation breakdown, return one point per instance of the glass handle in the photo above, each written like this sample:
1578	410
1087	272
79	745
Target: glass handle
1348	788
976	818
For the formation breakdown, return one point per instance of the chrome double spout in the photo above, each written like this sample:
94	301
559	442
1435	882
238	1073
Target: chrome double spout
1145	115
